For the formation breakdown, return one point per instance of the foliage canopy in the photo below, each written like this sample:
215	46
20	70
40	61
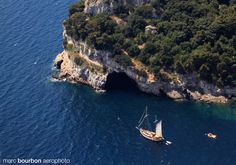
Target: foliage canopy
194	36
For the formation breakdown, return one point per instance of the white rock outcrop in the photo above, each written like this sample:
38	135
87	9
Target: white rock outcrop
94	66
106	6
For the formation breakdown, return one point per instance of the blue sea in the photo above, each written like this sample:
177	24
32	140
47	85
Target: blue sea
40	119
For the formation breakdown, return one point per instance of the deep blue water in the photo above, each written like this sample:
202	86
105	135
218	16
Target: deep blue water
41	119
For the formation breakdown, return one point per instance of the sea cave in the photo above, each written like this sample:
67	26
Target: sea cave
120	81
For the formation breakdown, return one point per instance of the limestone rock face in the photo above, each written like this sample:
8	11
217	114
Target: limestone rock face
80	63
98	6
83	64
94	67
175	95
106	6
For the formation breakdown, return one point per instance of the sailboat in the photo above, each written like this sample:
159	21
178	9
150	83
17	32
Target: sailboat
151	135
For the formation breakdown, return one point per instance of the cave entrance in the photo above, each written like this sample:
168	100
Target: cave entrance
120	81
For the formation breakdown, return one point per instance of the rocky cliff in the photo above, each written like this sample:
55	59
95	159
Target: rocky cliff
81	63
100	6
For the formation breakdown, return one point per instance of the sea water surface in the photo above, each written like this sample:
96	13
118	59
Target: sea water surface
43	119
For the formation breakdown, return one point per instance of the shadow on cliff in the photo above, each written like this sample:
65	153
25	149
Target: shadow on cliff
120	81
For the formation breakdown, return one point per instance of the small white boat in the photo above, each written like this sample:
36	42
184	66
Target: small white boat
211	136
168	142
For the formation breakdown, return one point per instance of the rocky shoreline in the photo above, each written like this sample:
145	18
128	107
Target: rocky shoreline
95	68
81	63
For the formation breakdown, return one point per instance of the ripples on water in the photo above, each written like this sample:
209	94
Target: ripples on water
41	119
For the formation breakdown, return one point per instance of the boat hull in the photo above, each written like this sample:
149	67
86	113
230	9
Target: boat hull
150	135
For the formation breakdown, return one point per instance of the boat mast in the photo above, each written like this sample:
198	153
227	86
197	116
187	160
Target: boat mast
144	115
155	119
148	123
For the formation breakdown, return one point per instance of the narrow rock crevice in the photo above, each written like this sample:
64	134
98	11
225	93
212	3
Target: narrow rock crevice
58	64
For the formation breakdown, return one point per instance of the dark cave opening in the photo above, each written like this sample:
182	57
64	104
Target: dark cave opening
120	81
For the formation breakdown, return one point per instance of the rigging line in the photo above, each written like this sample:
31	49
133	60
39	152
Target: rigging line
148	124
142	121
146	110
141	117
155	119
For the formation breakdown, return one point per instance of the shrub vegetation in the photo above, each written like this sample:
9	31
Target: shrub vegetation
194	36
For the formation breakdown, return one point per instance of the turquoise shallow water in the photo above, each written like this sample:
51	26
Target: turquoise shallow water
41	119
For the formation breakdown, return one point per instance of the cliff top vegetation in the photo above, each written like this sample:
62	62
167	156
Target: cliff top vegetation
194	36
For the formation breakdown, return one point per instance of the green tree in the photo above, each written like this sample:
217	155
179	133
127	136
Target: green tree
149	48
104	42
145	11
180	67
204	72
78	7
120	10
133	50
